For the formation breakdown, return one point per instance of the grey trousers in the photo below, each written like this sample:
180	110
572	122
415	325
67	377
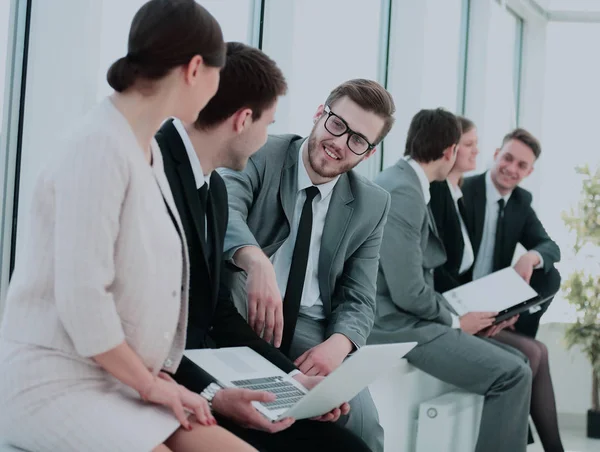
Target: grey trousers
492	369
363	419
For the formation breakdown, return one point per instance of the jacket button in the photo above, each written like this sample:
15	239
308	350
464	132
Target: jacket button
168	363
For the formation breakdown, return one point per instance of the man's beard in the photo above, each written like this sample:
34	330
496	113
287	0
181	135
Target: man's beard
322	170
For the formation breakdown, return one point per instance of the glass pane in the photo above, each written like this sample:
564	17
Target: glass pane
4	26
500	110
118	14
318	51
426	67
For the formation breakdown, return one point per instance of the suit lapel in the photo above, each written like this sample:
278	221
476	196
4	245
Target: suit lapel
337	220
214	235
288	186
165	190
478	212
188	182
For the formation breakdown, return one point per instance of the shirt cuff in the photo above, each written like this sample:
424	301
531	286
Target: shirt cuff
541	264
294	373
455	321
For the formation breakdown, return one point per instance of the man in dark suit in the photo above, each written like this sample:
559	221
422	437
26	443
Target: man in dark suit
498	214
229	129
306	228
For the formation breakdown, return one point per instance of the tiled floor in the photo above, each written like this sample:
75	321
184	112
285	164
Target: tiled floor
574	441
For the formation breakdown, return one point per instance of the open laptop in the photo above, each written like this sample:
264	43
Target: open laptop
504	292
242	367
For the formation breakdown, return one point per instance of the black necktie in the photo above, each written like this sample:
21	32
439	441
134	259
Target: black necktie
499	235
295	284
203	195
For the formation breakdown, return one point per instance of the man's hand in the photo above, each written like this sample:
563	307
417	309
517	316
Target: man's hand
495	329
236	404
526	264
325	357
265	308
333	415
473	322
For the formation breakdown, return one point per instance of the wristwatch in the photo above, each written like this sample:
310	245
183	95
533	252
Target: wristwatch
209	393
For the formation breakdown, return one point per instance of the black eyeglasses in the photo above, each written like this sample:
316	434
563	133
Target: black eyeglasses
336	126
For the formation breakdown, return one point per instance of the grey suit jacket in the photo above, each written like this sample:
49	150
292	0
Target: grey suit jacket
261	206
408	307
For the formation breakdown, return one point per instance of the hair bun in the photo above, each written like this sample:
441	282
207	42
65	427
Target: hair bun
122	74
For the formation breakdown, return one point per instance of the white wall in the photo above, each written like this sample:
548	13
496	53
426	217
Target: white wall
425	65
319	45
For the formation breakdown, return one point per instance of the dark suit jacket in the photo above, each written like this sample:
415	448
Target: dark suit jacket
522	224
446	277
213	320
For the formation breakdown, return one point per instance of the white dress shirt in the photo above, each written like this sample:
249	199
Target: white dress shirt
199	175
425	184
484	264
468	257
311	303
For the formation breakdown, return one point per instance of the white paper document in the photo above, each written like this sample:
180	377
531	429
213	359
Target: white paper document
492	293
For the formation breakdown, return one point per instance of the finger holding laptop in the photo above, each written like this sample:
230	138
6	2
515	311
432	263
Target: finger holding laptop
236	404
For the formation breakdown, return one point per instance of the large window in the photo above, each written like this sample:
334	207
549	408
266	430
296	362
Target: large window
426	66
235	16
13	26
494	78
4	26
318	45
570	137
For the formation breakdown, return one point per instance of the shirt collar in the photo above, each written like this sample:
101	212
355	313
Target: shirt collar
456	192
304	179
199	176
491	192
421	175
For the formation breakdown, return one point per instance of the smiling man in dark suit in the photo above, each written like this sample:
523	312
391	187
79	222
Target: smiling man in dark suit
499	215
231	127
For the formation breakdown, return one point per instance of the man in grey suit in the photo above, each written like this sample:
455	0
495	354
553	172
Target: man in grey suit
306	228
408	308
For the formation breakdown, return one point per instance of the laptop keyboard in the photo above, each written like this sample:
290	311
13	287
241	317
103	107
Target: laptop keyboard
287	394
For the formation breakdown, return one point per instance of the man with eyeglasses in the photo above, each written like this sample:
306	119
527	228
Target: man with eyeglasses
307	229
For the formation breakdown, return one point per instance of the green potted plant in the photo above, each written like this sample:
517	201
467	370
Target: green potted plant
582	288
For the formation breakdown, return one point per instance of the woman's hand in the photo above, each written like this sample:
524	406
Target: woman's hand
165	391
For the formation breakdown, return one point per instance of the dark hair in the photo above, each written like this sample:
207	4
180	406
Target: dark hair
165	34
370	96
431	132
465	124
526	138
250	79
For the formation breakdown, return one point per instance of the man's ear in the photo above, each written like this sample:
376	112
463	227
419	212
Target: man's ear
450	151
496	152
318	113
241	119
370	153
